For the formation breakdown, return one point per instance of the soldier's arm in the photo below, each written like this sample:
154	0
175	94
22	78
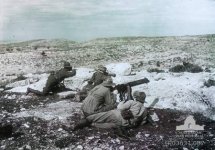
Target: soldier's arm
124	105
71	73
92	80
108	99
111	74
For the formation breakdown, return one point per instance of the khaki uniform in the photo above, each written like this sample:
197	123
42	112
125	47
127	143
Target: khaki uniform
56	78
81	95
98	100
53	81
98	77
113	118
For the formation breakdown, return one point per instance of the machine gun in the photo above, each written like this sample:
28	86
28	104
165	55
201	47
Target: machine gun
126	88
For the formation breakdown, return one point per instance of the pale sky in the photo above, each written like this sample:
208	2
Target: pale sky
81	20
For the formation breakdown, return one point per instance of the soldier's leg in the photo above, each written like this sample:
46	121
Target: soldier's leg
122	133
29	90
50	84
81	95
106	108
81	124
104	125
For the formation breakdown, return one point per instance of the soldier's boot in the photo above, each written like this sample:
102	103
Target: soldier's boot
122	133
125	131
151	121
29	90
83	123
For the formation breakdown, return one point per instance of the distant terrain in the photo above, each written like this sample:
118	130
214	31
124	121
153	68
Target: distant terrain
25	57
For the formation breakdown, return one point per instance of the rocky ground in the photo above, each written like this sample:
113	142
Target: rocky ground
36	133
33	122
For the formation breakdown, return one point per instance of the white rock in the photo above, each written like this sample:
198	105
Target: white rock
28	147
79	147
18	83
36	86
90	138
96	148
119	68
147	135
6	96
155	117
161	137
25	97
26	125
138	136
84	73
122	147
22	109
118	141
60	129
3	146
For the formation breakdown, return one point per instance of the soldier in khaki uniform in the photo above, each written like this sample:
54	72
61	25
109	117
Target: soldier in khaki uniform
99	99
117	118
54	80
128	114
98	77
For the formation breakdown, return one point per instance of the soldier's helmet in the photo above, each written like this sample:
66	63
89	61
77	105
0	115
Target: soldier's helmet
108	82
67	65
139	96
102	68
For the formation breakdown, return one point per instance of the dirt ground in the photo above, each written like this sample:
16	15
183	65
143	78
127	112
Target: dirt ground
35	133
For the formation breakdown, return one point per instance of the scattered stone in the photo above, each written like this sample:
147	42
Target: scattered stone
158	63
207	70
22	109
26	125
79	147
122	147
186	67
96	148
209	83
138	136
12	97
27	147
154	116
6	131
65	141
60	129
147	135
117	140
178	68
3	147
90	138
155	70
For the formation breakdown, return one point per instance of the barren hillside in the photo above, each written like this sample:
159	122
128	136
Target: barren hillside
26	57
